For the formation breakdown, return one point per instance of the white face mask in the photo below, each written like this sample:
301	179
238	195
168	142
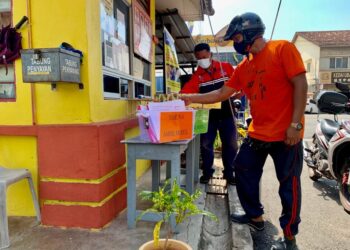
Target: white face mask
204	63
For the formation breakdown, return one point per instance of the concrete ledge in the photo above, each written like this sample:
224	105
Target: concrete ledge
190	231
241	235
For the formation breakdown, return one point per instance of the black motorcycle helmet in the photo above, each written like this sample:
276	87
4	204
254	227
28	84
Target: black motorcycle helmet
248	24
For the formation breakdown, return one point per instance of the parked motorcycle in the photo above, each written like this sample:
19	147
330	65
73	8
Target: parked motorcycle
329	153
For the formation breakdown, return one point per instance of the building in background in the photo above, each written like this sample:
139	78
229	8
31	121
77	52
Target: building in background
326	55
69	137
222	50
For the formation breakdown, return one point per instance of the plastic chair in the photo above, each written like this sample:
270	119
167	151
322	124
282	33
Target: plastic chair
8	177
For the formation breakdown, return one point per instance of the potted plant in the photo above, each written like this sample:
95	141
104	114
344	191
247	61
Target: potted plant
168	201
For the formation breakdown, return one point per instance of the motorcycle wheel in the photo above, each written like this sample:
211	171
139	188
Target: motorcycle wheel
344	192
313	174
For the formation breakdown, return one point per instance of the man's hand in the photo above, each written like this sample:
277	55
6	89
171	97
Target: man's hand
212	97
186	98
292	136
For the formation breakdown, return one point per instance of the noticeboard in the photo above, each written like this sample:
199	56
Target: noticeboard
171	65
142	32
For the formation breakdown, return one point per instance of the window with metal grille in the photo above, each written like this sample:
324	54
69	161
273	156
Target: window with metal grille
7	77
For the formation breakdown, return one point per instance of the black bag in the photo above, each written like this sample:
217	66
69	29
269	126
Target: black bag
10	43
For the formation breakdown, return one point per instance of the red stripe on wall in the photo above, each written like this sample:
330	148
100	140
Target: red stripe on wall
19	130
82	191
84	216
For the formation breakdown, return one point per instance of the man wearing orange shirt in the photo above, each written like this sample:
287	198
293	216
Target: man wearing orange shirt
273	78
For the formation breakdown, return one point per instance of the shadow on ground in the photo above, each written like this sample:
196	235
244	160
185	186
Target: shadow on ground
264	239
328	189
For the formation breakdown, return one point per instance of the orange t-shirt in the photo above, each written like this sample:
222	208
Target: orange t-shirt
264	78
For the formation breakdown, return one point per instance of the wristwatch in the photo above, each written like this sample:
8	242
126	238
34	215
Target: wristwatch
297	125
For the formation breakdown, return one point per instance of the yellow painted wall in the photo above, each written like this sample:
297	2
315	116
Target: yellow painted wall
54	22
20	152
19	112
141	165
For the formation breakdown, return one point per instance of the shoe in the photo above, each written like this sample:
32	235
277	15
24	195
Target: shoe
231	180
204	179
284	243
244	219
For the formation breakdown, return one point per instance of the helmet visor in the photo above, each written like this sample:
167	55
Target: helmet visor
234	28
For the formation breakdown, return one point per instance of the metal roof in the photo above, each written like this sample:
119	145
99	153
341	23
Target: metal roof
189	10
184	42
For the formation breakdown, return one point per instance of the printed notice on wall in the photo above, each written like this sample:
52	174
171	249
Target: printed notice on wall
142	32
172	69
121	26
145	45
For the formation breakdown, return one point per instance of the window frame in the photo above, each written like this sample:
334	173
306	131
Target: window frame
10	65
116	73
145	85
337	62
308	66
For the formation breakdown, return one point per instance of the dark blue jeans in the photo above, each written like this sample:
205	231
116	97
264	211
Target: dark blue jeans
228	136
288	161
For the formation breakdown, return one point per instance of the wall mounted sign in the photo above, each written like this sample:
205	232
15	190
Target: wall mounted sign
343	77
142	32
172	69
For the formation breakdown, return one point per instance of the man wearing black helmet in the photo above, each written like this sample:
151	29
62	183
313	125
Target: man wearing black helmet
273	78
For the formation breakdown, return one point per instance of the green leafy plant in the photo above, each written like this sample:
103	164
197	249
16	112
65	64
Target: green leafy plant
217	143
172	200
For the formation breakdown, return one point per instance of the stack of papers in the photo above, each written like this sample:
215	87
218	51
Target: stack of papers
165	121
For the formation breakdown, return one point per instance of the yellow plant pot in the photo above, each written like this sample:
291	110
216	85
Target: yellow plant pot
172	245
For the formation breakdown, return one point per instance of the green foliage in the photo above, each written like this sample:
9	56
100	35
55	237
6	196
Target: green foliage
172	200
217	143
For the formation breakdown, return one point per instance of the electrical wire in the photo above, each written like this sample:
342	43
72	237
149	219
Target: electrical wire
216	46
222	71
274	24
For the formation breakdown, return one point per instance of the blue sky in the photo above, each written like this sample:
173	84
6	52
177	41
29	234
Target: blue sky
294	15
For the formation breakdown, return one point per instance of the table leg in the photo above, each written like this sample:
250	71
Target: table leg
4	231
190	166
168	170
197	140
155	175
175	174
175	168
131	187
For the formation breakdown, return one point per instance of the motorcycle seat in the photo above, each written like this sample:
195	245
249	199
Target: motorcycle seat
329	128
